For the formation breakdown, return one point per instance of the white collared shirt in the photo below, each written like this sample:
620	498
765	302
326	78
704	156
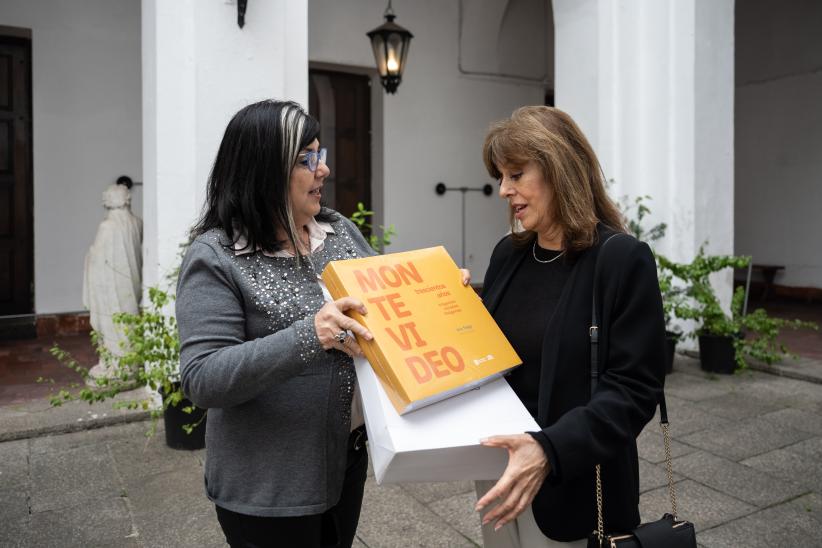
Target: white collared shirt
317	233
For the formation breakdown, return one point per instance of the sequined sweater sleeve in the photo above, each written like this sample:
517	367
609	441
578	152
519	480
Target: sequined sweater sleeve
219	367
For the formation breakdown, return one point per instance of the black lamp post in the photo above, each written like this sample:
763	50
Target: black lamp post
390	43
241	7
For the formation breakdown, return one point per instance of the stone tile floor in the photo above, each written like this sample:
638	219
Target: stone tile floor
747	456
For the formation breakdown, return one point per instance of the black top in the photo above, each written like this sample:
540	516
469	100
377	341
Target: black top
585	430
523	313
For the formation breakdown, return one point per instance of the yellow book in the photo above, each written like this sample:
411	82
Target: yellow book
433	337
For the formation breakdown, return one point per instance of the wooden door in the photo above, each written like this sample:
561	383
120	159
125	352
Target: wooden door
342	103
16	216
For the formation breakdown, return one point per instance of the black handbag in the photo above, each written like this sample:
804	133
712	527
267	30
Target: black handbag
668	532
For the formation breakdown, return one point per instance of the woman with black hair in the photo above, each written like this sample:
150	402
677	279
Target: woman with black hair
263	346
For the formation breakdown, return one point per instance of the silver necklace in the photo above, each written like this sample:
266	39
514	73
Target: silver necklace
537	259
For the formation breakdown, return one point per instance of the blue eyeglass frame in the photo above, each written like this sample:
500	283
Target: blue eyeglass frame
312	159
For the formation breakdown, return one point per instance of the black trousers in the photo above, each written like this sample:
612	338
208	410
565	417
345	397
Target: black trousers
334	528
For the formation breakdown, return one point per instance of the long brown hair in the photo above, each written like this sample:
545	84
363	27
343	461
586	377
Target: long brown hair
551	139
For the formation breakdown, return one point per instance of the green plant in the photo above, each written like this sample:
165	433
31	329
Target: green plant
764	347
754	335
150	357
635	212
377	242
673	295
699	301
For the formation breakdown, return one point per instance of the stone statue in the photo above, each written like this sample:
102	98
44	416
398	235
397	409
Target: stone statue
112	281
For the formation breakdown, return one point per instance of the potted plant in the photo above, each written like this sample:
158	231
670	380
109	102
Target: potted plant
150	357
672	297
726	341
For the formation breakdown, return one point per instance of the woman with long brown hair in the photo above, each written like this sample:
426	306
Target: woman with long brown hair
539	287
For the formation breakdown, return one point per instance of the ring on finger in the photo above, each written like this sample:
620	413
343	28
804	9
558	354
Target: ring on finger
341	337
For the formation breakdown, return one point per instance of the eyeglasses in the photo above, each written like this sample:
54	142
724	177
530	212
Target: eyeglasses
312	159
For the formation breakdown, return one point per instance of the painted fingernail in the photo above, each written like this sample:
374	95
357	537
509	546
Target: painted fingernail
498	526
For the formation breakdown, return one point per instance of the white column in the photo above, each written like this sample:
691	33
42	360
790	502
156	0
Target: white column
199	68
169	131
651	83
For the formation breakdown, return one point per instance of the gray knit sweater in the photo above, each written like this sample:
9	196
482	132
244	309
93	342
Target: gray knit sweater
278	404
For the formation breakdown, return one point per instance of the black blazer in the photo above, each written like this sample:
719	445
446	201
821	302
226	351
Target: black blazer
584	431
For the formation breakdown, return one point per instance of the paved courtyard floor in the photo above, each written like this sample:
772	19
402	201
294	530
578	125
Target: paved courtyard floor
748	464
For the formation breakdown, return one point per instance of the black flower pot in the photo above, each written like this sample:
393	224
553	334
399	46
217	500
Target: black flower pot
671	339
174	418
716	354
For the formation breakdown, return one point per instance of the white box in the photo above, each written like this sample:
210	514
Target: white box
440	442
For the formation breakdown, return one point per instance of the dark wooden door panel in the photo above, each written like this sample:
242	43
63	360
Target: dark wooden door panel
6	275
16	232
6	212
6	148
350	118
5	81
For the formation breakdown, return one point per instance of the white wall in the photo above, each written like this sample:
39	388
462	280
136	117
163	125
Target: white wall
714	126
650	82
199	68
513	38
433	127
86	128
779	137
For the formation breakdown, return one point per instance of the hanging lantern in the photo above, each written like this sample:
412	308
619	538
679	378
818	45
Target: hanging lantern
241	7
390	43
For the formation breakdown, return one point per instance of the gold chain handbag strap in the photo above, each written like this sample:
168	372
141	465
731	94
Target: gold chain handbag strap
600	521
669	467
666	436
593	333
